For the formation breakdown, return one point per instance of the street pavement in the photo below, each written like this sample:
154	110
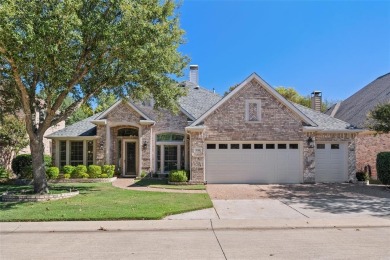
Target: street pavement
357	238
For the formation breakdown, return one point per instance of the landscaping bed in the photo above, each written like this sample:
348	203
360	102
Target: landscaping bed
101	201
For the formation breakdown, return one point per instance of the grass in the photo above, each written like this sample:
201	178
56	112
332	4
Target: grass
163	184
102	201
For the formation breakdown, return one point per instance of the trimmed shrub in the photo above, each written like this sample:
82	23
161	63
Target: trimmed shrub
362	176
109	170
103	175
383	167
52	172
177	176
143	174
22	165
68	169
4	174
84	175
66	176
94	171
79	171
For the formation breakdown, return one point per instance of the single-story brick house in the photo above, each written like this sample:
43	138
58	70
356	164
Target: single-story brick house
354	110
252	135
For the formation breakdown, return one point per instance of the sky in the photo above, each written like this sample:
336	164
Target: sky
336	47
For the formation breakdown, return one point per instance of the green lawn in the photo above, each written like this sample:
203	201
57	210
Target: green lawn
163	184
102	201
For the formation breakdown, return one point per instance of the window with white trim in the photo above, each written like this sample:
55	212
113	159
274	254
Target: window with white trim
253	110
170	152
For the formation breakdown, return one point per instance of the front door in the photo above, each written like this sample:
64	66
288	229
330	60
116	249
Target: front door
130	162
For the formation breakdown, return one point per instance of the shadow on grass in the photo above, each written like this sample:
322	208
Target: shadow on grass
53	189
145	182
335	198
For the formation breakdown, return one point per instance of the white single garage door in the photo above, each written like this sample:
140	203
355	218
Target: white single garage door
254	162
331	163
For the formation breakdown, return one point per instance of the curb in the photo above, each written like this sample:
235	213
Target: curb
185	225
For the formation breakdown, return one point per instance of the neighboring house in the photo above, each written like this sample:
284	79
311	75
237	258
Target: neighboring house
354	110
252	135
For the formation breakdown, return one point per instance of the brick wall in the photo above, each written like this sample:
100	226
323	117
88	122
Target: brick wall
228	123
367	148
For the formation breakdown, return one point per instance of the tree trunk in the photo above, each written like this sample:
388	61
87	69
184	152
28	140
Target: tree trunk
38	164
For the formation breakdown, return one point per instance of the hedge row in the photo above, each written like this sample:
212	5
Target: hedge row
84	172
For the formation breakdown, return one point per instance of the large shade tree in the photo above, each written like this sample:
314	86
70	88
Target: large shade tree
56	49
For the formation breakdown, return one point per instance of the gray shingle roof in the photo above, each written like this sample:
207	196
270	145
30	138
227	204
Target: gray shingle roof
323	121
198	100
354	109
81	128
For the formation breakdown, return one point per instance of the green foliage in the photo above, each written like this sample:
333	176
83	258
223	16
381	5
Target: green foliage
143	174
79	114
103	175
94	171
379	118
293	96
80	171
84	175
4	174
13	133
22	165
52	172
109	170
60	49
177	176
104	100
68	169
66	176
362	176
383	167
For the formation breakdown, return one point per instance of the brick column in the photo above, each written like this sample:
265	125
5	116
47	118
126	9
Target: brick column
197	154
351	161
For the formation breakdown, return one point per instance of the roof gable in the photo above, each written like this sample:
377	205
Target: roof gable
129	103
355	109
268	88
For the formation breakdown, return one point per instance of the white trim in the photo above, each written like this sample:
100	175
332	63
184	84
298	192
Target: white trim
335	131
194	128
147	122
99	122
67	152
126	102
268	88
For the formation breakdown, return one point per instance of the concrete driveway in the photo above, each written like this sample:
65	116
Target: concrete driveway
299	201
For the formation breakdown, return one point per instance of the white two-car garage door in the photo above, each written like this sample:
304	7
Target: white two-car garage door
254	162
331	163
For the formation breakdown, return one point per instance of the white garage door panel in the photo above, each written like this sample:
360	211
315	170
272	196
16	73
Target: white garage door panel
330	163
253	165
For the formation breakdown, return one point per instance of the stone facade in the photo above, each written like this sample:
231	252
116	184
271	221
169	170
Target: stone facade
228	123
368	145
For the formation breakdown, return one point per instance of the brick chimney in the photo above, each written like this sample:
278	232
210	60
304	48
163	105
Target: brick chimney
316	100
194	74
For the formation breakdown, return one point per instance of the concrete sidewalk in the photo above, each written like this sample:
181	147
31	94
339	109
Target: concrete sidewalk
172	225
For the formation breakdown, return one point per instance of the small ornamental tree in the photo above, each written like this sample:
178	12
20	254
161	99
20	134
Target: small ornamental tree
13	138
78	48
379	118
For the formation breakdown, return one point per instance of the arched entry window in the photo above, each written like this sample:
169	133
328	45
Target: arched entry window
128	132
170	152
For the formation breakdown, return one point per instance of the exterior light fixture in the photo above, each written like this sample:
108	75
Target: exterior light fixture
310	142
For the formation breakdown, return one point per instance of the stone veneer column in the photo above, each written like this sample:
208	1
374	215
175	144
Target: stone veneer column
54	153
351	161
146	151
309	162
101	144
197	155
